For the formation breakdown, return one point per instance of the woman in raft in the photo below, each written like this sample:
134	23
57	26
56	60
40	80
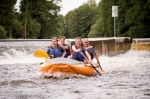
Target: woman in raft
79	53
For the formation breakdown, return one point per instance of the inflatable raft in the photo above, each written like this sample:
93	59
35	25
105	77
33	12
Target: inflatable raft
67	66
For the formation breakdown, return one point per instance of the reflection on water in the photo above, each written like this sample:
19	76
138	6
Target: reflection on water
127	76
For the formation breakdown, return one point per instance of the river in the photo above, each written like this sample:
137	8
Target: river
126	76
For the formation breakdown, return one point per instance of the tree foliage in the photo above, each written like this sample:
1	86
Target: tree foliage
2	32
7	15
43	12
41	19
133	19
77	23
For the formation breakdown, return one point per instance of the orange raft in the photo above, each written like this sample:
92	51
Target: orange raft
67	66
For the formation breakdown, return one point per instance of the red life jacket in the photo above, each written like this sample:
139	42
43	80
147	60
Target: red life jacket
68	50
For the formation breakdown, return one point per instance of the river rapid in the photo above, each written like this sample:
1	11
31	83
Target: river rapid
126	76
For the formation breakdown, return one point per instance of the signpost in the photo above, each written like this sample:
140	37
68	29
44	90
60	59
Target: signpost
114	14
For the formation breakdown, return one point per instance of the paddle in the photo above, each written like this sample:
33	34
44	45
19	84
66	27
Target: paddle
98	62
91	64
41	54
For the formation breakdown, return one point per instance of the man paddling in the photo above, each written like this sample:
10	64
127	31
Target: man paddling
90	49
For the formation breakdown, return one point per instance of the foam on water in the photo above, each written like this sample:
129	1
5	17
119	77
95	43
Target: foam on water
18	57
129	59
126	76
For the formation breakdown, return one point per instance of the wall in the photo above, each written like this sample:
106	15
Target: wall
141	44
109	46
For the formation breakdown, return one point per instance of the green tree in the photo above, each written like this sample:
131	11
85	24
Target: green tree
6	15
25	8
133	19
79	21
2	32
33	29
137	19
43	12
46	13
104	24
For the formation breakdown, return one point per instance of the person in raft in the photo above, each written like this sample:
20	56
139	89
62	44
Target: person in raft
66	47
78	50
90	49
55	51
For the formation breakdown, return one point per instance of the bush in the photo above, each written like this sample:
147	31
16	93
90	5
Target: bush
2	32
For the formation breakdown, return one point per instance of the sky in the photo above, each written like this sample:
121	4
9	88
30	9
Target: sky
68	5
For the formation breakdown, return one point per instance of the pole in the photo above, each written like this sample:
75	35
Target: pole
114	28
114	14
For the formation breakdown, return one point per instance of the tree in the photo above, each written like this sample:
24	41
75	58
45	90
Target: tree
6	16
46	13
43	12
17	26
133	19
137	19
80	20
2	32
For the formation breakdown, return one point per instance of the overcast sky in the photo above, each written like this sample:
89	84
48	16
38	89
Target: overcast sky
68	5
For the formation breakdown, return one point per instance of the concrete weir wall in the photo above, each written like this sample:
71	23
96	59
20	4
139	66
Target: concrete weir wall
141	44
103	46
109	46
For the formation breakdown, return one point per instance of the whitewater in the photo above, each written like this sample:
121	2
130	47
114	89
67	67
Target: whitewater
126	76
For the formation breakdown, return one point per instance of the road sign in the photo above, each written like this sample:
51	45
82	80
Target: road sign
114	11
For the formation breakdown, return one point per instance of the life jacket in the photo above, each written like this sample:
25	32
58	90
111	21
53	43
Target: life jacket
78	56
54	51
68	51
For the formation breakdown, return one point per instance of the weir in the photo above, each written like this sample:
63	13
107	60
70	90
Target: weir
103	46
109	46
141	44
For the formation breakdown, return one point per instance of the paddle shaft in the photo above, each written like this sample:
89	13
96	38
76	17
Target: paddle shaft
97	60
91	64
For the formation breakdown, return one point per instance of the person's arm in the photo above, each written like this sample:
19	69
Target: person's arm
89	47
48	52
63	54
74	49
63	51
65	47
88	55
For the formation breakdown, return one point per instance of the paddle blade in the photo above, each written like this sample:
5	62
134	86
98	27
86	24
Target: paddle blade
103	71
101	68
41	54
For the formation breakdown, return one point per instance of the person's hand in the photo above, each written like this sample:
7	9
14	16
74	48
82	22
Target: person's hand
91	46
90	62
85	61
79	50
86	48
51	56
98	62
61	45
